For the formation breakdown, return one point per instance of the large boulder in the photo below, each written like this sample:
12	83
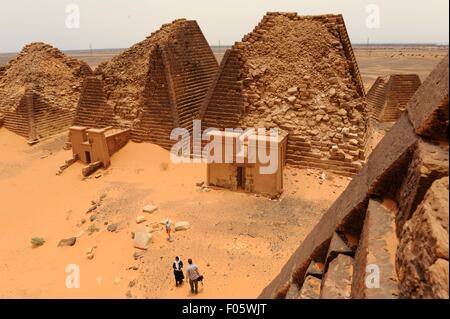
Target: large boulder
142	239
179	226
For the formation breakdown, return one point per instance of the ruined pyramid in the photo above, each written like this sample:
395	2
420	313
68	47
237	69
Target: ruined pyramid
39	90
392	219
160	83
297	73
388	96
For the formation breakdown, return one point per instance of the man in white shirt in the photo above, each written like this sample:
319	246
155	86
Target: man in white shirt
193	274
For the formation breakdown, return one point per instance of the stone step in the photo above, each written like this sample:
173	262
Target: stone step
376	252
337	281
310	289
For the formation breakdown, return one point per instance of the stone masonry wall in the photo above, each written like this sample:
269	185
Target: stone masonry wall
156	119
192	67
92	110
17	121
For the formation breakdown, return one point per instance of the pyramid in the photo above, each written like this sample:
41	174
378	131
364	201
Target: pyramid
92	110
297	73
395	211
160	83
39	90
388	96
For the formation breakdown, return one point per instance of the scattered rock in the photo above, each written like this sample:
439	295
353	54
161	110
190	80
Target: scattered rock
140	219
342	112
291	99
149	209
92	218
293	90
200	184
92	208
138	255
67	242
112	228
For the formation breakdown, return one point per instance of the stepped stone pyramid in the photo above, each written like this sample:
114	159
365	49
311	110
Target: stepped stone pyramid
92	110
160	83
297	73
392	219
36	119
39	90
388	96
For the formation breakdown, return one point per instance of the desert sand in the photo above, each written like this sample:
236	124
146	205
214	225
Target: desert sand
239	240
375	61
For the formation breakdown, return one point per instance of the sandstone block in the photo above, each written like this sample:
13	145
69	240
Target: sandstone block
424	241
377	248
337	282
310	288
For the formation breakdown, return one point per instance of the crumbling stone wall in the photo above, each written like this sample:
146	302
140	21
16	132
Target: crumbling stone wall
388	96
39	91
393	215
160	83
297	73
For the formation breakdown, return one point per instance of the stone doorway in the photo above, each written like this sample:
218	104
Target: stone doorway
88	157
240	177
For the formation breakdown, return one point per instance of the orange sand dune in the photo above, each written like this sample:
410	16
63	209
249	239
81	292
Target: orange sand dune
240	241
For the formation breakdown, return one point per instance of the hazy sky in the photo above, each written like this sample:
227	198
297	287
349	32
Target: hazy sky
120	23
